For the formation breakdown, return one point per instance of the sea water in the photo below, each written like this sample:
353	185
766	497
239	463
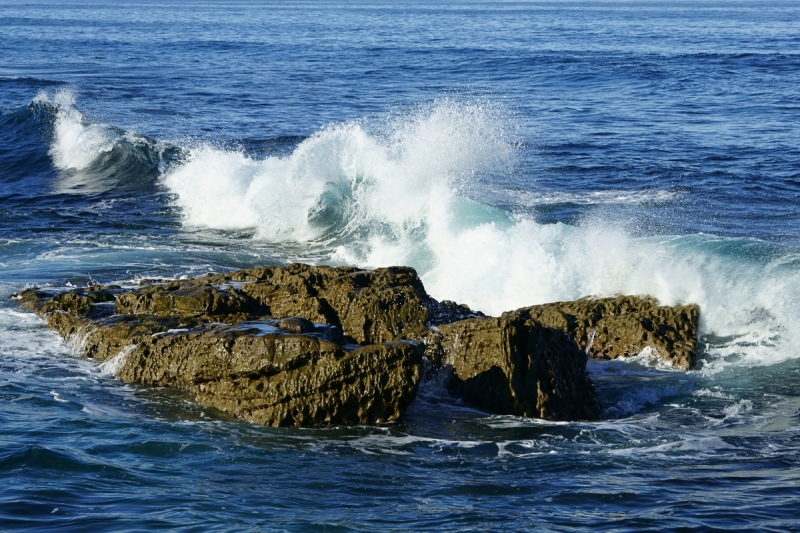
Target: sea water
514	153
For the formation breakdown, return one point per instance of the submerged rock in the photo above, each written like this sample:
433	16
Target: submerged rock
623	326
315	345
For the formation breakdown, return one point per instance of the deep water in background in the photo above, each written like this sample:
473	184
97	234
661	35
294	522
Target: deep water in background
514	153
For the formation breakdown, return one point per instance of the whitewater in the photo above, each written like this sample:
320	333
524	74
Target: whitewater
515	154
406	191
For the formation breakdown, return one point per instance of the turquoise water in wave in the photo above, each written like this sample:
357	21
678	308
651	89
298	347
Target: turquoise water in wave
514	153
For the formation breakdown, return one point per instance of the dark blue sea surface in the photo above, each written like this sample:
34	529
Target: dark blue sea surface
513	152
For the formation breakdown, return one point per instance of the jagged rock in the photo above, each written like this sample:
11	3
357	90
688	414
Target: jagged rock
448	311
623	326
275	372
371	306
518	367
186	297
281	379
78	301
279	345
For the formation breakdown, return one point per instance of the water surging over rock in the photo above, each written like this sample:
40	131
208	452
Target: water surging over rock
316	345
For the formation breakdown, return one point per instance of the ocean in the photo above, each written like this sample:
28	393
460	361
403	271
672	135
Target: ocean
514	153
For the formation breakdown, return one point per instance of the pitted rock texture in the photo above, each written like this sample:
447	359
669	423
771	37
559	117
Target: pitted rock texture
281	379
186	297
212	341
518	367
623	326
370	306
308	345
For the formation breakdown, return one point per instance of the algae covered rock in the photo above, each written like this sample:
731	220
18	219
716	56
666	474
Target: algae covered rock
186	297
518	367
371	306
272	371
623	326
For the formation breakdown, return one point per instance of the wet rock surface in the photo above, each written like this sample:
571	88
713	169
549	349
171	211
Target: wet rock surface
280	378
623	326
315	345
518	367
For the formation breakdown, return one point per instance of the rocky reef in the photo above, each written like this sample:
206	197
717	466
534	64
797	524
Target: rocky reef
308	345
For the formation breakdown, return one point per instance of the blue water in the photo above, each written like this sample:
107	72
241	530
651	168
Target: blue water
514	153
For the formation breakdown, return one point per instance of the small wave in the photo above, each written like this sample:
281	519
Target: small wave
95	158
702	445
537	198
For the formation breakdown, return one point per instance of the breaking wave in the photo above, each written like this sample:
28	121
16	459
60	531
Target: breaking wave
404	190
95	158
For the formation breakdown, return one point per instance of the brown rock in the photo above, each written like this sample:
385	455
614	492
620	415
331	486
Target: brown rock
275	372
281	379
518	367
271	344
186	298
623	326
371	306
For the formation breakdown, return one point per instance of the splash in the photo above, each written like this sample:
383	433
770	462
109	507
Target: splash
76	142
95	158
345	180
407	190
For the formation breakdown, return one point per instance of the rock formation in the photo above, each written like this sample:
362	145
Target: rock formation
623	326
315	345
253	351
519	367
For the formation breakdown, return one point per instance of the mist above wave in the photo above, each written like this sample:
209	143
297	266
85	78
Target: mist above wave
402	191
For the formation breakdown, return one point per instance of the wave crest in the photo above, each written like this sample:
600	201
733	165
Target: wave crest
373	194
96	158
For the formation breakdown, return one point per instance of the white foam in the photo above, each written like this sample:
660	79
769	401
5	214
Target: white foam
699	444
263	328
394	194
537	198
392	178
115	364
712	394
77	143
739	408
58	398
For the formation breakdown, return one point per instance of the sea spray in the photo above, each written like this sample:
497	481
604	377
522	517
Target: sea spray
95	158
404	192
76	141
345	177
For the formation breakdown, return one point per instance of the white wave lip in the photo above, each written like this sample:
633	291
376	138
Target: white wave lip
393	178
77	143
398	197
